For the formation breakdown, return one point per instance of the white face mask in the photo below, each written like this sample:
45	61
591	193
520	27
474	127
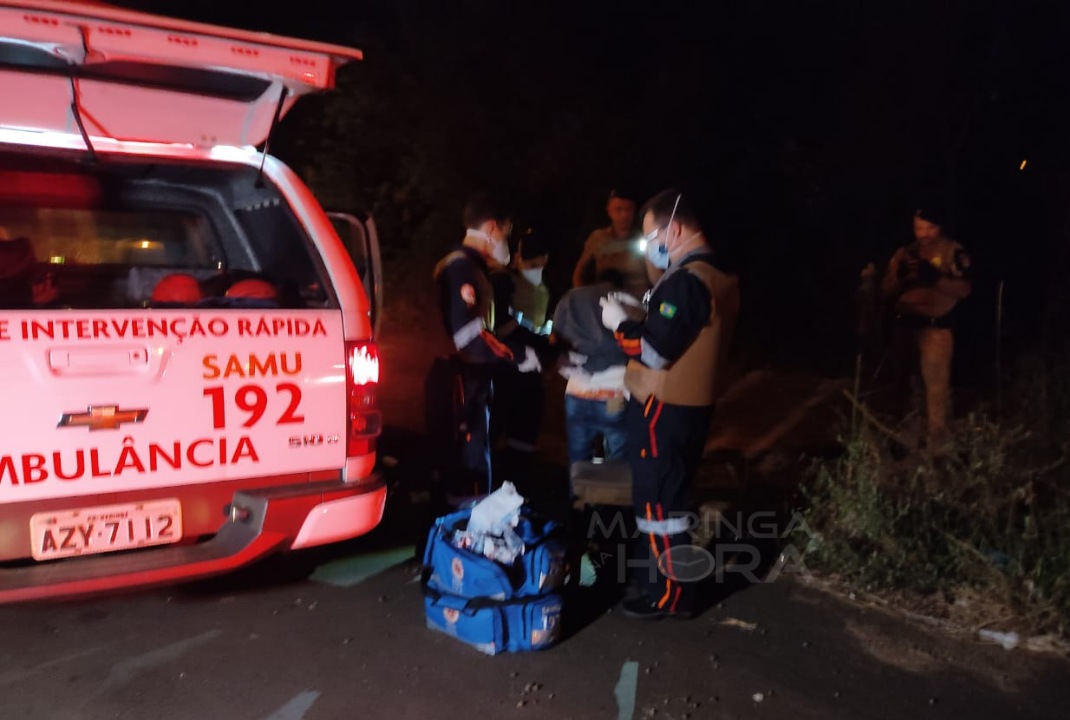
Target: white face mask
499	249
658	253
500	252
532	275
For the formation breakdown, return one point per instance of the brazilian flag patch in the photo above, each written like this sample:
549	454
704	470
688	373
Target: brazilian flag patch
667	310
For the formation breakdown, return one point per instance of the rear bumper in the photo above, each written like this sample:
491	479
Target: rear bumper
341	519
262	522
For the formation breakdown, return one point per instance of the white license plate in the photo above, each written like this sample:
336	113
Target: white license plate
106	528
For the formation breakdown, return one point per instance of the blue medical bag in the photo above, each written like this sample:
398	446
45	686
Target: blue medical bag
459	571
494	607
495	626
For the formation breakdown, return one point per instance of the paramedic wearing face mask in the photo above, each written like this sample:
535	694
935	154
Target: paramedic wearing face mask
675	352
466	299
522	301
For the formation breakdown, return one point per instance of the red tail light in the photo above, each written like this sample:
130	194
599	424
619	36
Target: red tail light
362	381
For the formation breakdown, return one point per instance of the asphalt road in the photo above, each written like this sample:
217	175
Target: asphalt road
341	634
350	641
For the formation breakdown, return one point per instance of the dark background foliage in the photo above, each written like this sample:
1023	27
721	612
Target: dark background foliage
807	133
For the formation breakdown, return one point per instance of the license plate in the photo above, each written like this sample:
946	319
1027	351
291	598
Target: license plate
105	528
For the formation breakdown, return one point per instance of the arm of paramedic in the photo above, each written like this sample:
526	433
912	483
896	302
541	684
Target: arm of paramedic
505	323
677	313
471	336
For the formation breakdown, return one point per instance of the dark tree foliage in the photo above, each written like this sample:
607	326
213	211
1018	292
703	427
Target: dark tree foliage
807	132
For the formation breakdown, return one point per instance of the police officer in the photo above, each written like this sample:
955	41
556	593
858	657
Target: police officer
675	352
466	299
926	280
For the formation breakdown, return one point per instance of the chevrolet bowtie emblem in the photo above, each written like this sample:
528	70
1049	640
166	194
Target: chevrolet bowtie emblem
102	417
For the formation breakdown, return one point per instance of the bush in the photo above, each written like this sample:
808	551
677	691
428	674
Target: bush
991	514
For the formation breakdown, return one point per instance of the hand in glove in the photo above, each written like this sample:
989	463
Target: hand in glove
572	371
531	361
570	364
613	313
626	299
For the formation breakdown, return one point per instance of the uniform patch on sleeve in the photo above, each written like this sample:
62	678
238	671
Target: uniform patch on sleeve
468	294
667	310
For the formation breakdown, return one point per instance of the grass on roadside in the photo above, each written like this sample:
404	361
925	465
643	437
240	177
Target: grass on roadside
991	517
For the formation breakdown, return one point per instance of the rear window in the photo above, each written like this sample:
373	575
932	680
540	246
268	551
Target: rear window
128	236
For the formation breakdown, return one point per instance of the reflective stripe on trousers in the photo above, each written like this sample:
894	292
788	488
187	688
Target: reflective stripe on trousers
665	445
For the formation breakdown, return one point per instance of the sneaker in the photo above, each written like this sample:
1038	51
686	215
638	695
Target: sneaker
639	608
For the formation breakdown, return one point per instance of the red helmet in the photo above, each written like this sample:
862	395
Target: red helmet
177	288
254	289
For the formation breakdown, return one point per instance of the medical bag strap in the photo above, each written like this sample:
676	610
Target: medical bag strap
470	606
467	606
451	601
541	528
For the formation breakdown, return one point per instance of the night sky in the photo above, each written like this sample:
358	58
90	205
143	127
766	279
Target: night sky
807	132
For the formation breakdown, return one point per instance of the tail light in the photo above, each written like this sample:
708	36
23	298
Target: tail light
362	382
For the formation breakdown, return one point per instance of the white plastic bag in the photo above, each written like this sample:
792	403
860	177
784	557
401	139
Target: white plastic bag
490	527
496	511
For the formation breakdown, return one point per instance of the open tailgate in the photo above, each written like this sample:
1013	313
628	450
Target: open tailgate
140	77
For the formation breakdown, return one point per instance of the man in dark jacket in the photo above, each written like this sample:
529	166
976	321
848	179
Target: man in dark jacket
594	394
466	299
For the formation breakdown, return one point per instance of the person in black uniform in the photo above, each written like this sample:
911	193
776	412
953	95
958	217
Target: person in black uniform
521	303
675	350
466	299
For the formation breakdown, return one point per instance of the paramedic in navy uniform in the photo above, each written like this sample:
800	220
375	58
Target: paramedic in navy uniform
466	300
675	350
